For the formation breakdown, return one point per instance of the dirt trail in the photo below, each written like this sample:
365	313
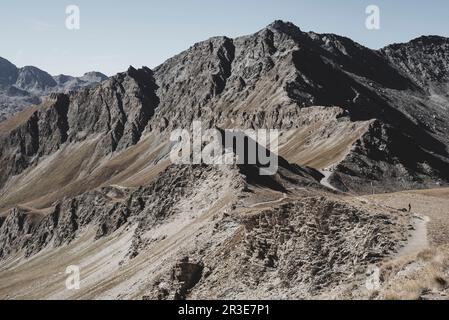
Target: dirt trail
325	181
418	240
284	196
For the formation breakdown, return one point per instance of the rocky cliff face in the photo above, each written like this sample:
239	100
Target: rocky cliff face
117	112
120	109
424	59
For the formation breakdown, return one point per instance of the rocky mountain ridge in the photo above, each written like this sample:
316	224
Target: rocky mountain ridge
26	86
272	79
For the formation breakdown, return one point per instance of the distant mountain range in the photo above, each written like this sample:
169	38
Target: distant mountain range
22	87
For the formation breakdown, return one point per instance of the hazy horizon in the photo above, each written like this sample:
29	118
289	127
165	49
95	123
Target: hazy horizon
114	35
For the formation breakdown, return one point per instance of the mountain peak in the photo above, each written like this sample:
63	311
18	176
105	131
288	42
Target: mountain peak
4	62
94	76
31	79
135	73
285	27
425	59
419	41
430	38
8	72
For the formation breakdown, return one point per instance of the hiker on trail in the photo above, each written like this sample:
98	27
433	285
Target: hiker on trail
409	207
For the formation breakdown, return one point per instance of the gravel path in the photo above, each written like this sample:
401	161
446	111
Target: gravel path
418	240
325	180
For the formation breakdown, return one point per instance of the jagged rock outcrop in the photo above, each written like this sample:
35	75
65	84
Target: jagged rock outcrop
185	275
40	134
117	111
389	160
120	109
424	59
291	251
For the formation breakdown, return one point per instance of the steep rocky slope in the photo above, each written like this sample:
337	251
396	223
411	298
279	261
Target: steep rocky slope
91	125
184	234
424	59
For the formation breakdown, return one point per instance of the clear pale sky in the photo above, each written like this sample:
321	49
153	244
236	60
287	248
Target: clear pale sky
115	34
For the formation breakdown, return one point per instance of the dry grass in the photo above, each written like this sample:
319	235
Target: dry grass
321	144
43	275
425	274
78	168
14	122
56	177
421	276
433	203
22	117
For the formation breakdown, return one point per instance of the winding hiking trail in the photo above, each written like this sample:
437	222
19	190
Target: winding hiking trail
418	239
325	181
284	196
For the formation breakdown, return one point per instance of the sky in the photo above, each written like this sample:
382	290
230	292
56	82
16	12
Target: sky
115	34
